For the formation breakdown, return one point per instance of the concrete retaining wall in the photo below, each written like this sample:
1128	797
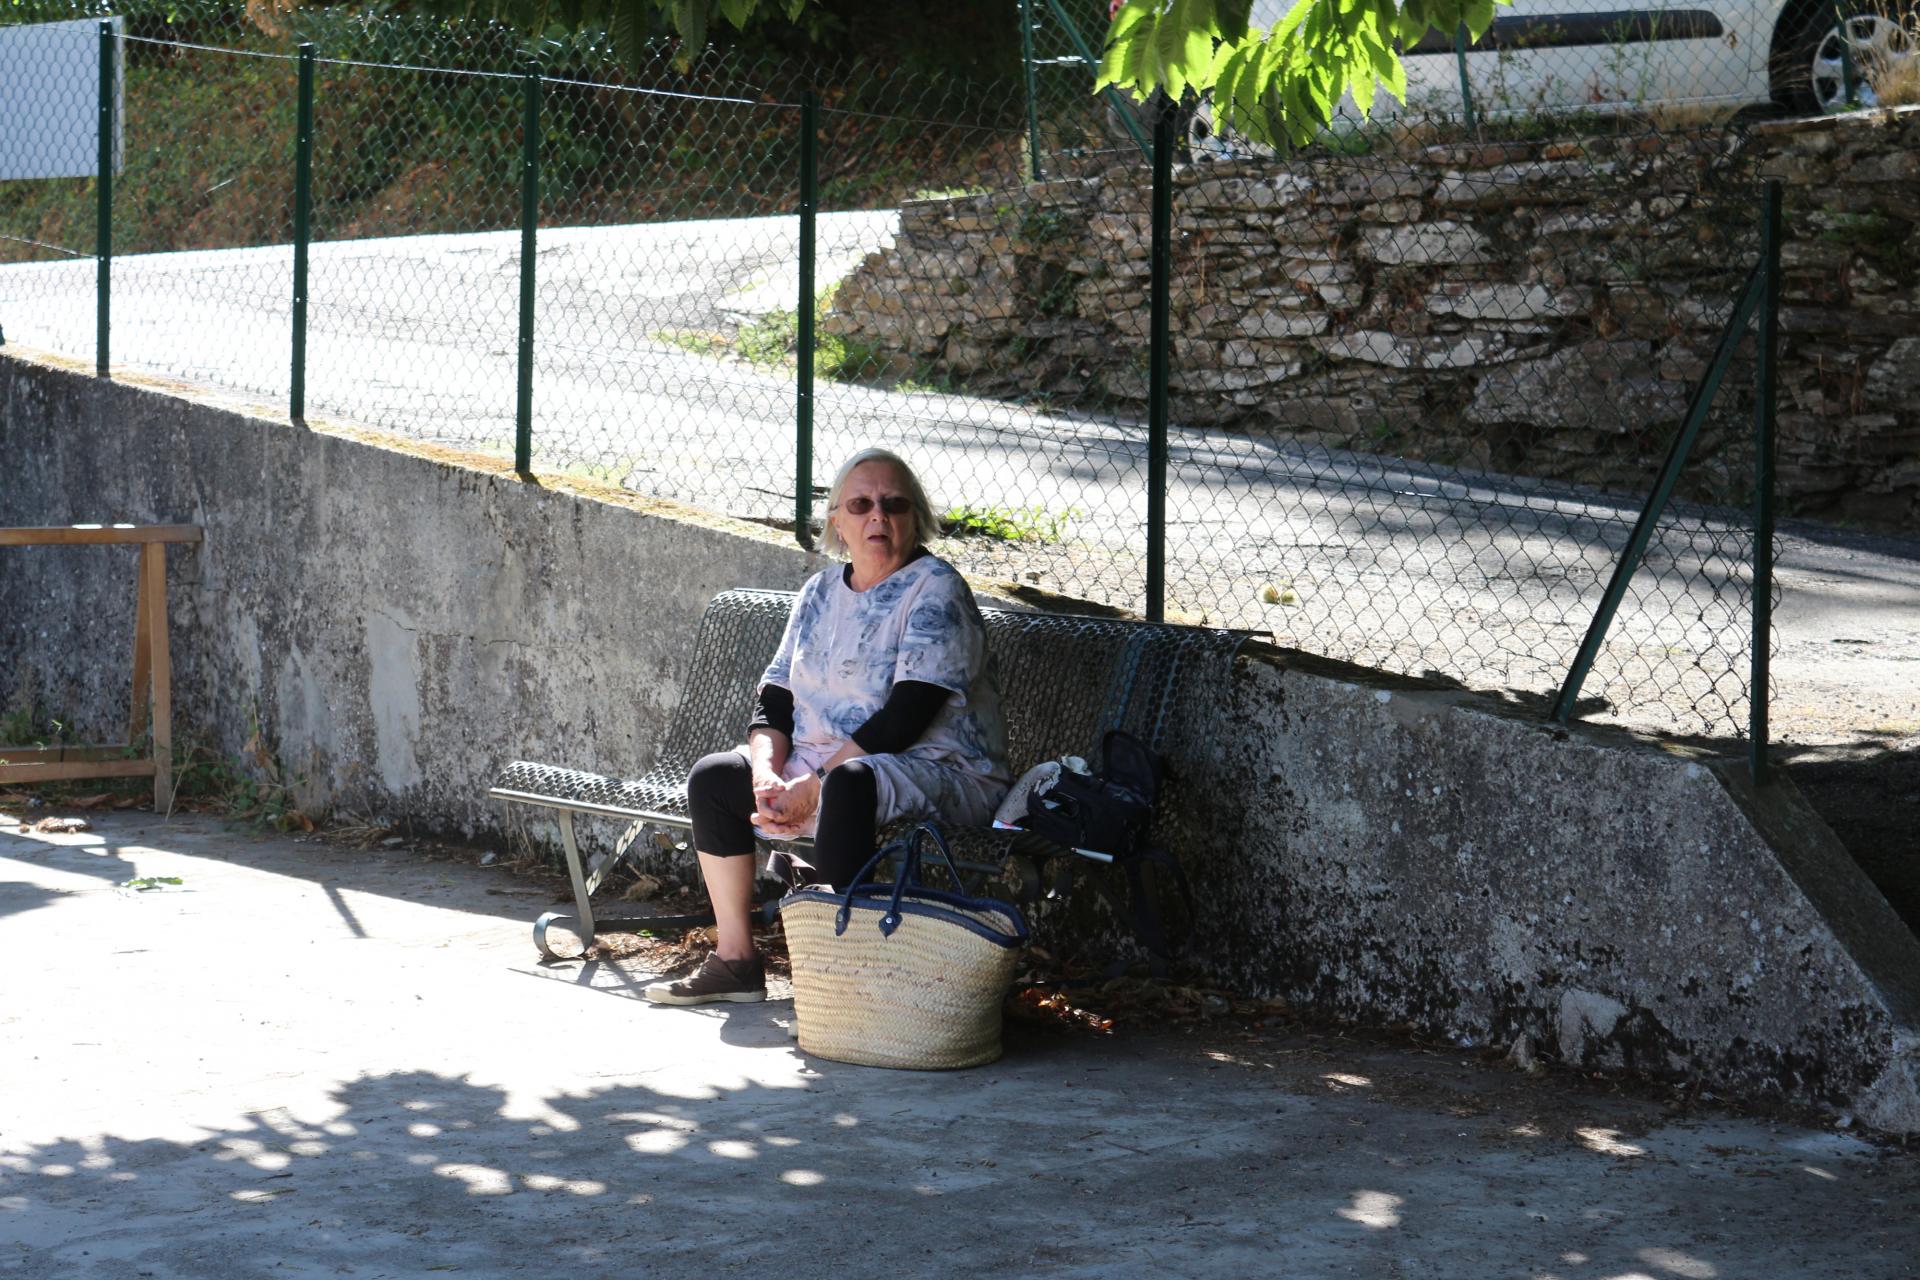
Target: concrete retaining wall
396	625
1410	855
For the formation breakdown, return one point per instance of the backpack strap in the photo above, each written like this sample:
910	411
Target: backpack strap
1147	923
1143	869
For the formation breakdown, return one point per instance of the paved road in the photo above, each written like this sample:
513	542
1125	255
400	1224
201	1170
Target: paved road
1491	580
303	1061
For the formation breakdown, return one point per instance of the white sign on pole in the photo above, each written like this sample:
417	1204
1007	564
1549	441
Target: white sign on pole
50	99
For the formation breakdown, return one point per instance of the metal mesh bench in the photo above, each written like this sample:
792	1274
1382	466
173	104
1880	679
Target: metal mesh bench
1064	678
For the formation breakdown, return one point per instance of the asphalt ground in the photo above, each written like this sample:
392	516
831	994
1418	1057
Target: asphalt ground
307	1059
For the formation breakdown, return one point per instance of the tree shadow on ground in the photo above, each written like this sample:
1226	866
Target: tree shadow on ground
90	857
416	1173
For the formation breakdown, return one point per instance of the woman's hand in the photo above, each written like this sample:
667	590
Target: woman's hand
785	808
769	790
766	781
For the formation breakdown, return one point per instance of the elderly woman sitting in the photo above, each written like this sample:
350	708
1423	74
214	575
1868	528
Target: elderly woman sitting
880	704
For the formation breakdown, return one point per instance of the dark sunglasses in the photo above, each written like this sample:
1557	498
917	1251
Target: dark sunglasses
893	504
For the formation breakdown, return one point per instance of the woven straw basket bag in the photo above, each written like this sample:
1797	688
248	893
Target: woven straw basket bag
901	975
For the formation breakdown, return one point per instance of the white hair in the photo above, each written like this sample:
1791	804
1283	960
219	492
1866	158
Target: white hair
924	521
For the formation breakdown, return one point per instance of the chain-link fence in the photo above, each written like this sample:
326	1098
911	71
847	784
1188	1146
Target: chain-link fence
1408	391
50	92
1397	429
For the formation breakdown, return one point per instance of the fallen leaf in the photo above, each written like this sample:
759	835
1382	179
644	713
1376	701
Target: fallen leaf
62	826
644	888
93	802
1037	1004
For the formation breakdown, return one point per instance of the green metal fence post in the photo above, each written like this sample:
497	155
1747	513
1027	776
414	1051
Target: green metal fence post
529	235
1158	339
103	207
803	338
1026	69
1460	60
1643	527
1121	104
1765	373
302	229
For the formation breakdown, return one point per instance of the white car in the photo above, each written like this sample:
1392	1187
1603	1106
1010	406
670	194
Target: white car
1567	55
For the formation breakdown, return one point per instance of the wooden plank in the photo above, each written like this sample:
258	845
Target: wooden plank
61	754
153	564
74	770
98	534
142	641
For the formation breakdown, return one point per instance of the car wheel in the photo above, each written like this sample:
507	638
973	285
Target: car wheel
1206	141
1810	73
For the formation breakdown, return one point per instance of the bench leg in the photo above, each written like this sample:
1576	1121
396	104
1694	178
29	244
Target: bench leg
581	896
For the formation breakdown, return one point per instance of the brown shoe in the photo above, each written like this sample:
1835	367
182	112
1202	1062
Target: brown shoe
741	981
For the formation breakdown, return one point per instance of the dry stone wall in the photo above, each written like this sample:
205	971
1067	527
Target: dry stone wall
1850	313
1543	308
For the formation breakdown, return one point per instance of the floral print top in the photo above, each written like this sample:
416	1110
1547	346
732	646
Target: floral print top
844	649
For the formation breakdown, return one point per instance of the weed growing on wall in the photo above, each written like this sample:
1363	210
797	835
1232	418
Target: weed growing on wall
26	722
250	788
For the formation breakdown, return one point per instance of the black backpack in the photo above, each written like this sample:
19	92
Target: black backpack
1108	814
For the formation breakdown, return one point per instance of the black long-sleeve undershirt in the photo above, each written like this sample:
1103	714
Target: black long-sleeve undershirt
900	722
773	709
903	719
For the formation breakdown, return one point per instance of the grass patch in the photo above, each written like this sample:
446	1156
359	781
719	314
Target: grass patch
699	342
772	341
1006	524
926	380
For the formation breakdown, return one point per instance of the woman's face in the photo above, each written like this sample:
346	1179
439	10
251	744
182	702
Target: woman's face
878	541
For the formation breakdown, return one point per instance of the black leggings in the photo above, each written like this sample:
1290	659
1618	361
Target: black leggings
720	800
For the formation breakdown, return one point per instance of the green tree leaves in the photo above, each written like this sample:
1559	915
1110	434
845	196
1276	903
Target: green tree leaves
1282	84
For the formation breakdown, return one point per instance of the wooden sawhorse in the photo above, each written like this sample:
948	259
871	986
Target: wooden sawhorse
152	668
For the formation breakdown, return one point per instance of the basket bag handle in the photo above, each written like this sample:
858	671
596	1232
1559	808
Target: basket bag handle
909	876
